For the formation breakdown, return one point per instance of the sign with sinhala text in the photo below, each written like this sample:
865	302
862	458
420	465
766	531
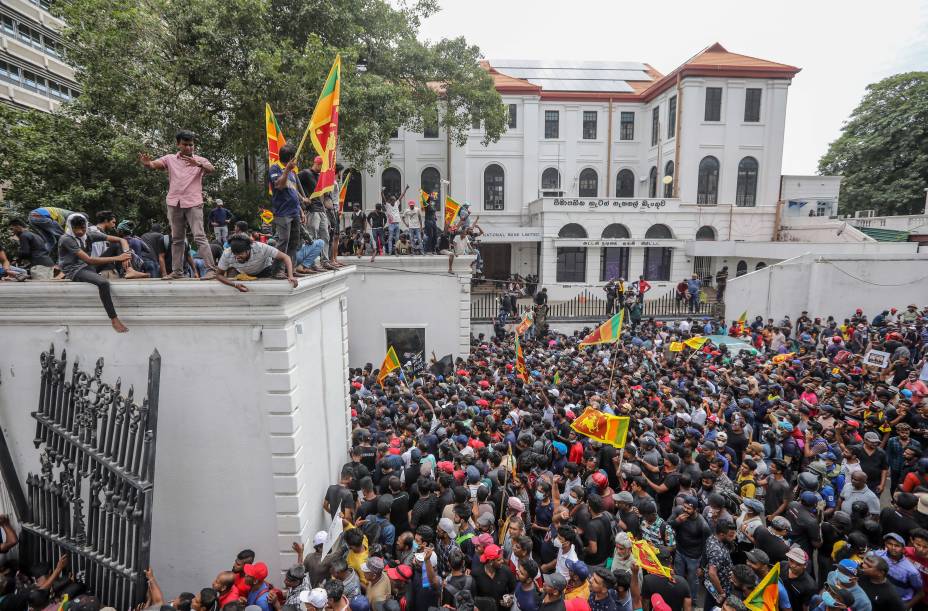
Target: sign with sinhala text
579	204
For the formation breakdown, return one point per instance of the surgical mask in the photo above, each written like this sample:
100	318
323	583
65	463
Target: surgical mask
539	495
572	500
415	546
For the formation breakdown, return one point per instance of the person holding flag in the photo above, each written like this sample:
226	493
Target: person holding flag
286	201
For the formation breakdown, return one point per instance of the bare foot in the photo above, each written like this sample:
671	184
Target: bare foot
135	274
118	326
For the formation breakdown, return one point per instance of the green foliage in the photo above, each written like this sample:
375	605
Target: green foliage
150	67
883	148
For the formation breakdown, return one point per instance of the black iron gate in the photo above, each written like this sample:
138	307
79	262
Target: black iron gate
92	499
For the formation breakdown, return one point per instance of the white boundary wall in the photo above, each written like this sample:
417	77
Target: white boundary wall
829	285
253	410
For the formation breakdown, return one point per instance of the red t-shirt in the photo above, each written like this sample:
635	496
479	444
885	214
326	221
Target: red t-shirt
231	596
240	585
921	564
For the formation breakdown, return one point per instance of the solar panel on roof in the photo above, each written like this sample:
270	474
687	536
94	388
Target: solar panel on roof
582	85
566	63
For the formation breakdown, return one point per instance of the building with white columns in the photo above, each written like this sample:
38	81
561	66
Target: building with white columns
613	169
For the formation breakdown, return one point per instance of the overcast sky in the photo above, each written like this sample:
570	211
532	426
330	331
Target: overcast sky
840	46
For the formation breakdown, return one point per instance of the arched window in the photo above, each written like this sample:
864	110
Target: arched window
746	192
742	268
658	232
572	230
354	193
616	231
707	188
551	182
571	260
589	183
668	188
430	181
494	188
391	181
760	265
625	184
706	233
652	182
613	260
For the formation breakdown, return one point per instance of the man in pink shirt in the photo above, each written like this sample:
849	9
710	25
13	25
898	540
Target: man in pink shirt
185	201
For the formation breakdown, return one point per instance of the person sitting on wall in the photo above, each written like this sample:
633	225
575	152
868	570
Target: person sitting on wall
254	260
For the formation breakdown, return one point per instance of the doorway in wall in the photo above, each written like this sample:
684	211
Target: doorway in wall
497	261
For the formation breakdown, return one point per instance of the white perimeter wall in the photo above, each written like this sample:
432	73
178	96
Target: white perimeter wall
829	286
252	417
408	292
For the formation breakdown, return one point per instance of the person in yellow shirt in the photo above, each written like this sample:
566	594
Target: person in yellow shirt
357	552
578	585
746	484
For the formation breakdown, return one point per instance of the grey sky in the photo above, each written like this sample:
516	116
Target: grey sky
840	46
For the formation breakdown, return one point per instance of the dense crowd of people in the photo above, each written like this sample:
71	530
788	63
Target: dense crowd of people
467	488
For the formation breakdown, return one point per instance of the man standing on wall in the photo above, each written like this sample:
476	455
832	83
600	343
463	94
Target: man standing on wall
286	200
219	219
721	279
185	199
317	223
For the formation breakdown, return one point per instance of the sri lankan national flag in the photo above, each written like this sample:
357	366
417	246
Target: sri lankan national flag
607	333
323	128
451	211
524	325
602	427
390	363
275	138
342	193
423	199
742	320
766	596
520	362
645	555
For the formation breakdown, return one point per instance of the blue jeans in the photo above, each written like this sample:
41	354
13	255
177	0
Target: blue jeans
431	236
685	567
415	236
151	267
308	253
393	234
48	228
377	234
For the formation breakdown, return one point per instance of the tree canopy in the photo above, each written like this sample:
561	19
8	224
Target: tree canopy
150	67
883	148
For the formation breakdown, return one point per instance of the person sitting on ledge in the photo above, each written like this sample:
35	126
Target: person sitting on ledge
76	264
254	259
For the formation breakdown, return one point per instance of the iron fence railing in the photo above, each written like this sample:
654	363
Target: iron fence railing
588	306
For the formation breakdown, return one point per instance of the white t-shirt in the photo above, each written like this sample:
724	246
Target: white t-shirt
393	215
262	256
562	558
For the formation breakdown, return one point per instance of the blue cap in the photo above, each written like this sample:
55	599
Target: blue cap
360	603
829	456
693	432
809	498
786	426
473	474
579	568
560	447
460	439
848	566
508	421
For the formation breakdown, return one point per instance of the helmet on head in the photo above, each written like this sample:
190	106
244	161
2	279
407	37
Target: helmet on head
818	468
808	481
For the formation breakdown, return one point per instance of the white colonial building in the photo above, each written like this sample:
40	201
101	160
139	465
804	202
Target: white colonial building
612	169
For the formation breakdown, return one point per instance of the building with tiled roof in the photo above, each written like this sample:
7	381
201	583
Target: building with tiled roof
614	169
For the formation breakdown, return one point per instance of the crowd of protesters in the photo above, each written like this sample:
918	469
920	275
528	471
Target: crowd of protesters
468	489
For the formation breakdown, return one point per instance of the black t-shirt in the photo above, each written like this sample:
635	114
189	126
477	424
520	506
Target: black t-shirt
805	528
338	495
368	456
777	492
773	546
377	219
599	529
900	373
871	464
893	521
739	443
308	180
494	587
673	593
691	536
399	511
883	596
665	499
368	507
800	589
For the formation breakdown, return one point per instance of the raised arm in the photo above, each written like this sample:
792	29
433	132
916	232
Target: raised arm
151	164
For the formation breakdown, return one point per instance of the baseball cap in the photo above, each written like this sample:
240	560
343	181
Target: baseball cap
895	537
871	437
320	538
780	523
399	573
491	552
838	579
578	568
758	555
848	567
556	580
809	498
257	571
447	525
485	519
317	597
796	554
359	603
624	497
372	565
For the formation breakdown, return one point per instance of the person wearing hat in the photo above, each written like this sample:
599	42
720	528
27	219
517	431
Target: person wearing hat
315	599
857	490
799	584
219	218
902	572
578	585
844	577
750	519
492	577
295	582
259	589
399	577
317	571
378	588
759	562
555	584
805	529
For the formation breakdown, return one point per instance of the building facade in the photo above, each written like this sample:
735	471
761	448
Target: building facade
610	169
32	71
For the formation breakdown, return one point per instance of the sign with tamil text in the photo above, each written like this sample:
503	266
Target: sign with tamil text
609	243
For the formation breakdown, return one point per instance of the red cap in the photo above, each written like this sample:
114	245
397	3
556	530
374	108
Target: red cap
658	603
400	573
482	402
599	479
491	552
257	571
445	465
317	159
484	383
